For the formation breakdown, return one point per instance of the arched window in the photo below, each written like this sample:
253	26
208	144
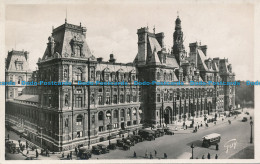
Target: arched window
115	113
108	114
158	76
78	74
171	76
20	79
79	120
65	74
100	115
164	76
122	113
134	112
128	112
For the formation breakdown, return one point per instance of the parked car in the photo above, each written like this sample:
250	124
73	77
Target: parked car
137	138
244	119
147	134
161	131
169	132
120	143
126	147
156	133
128	141
103	148
112	146
84	153
96	150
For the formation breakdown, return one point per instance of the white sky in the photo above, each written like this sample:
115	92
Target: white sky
227	29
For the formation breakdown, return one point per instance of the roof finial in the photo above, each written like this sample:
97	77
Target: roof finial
178	14
153	28
80	24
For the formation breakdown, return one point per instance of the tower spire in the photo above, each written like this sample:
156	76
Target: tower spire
66	16
177	14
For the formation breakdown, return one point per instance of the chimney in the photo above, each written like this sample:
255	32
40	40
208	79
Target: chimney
112	59
99	59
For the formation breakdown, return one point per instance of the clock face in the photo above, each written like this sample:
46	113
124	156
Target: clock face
141	38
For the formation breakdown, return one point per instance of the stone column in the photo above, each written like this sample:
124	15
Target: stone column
70	73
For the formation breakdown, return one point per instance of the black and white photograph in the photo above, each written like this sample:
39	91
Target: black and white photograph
129	81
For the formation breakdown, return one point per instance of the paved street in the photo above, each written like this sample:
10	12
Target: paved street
178	145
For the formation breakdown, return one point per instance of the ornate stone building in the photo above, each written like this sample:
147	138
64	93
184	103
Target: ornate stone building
61	117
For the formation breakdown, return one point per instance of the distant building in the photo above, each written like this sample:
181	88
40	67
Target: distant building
62	117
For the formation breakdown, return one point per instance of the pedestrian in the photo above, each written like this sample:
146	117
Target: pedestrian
208	156
37	154
71	155
215	122
203	157
216	157
68	156
183	125
155	153
62	155
146	154
216	146
151	156
134	154
8	136
165	156
76	150
27	152
186	127
222	119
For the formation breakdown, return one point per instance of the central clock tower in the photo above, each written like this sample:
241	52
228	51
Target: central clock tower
142	45
178	49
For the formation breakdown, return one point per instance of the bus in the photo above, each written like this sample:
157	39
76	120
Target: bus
211	139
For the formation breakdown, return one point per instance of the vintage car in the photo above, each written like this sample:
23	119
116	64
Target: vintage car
138	138
128	141
147	134
120	143
161	131
211	139
103	148
112	146
126	147
96	150
84	153
169	132
244	119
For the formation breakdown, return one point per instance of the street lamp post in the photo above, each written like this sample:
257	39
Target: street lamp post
251	137
192	147
109	128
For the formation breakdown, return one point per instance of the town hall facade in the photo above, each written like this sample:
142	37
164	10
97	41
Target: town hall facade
63	117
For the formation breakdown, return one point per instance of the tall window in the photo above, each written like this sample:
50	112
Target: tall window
122	113
65	74
128	112
78	74
108	100
100	115
66	122
115	113
77	50
115	99
20	79
79	120
121	98
134	98
164	76
158	98
78	102
100	100
158	76
134	112
171	96
128	98
165	97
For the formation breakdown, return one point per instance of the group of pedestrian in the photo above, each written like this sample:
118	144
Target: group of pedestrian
208	156
151	155
69	156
